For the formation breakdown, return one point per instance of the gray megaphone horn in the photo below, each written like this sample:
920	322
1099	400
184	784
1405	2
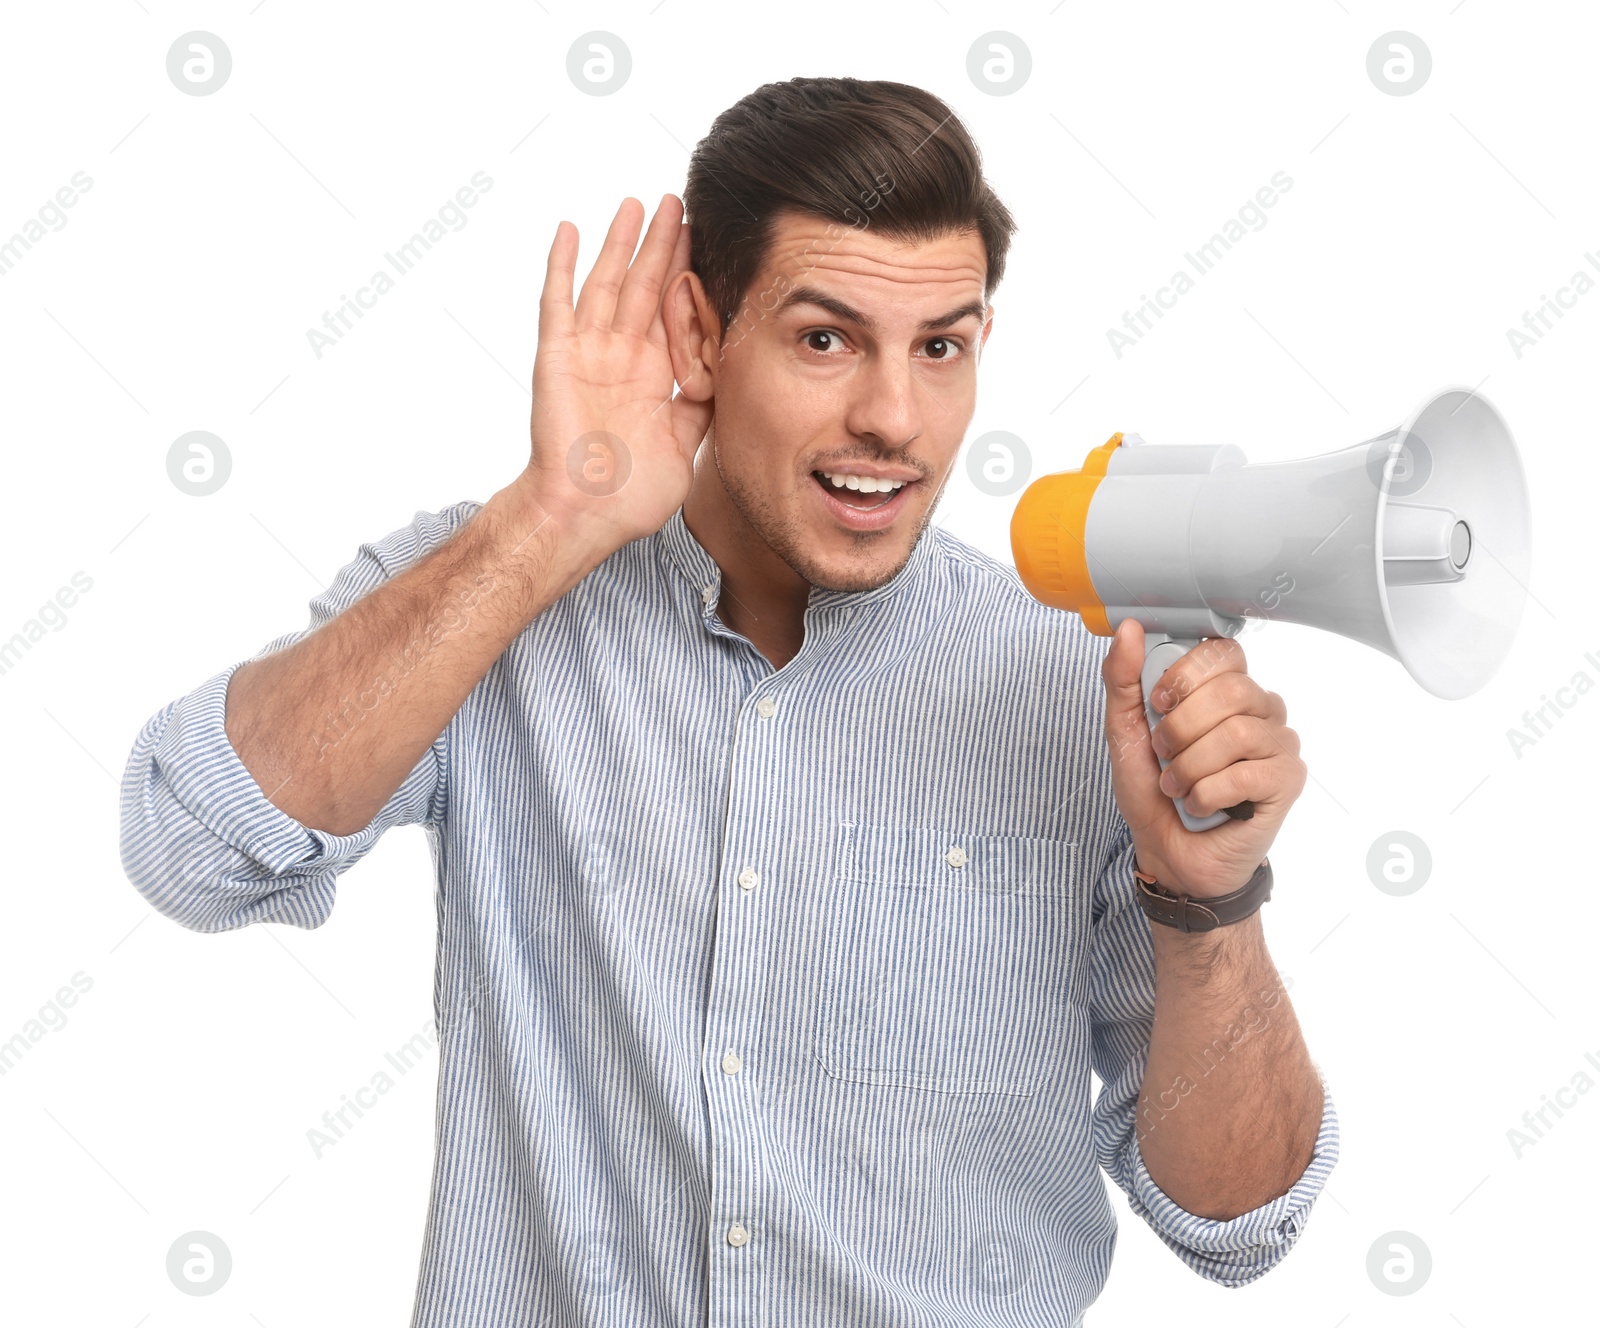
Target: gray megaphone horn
1417	543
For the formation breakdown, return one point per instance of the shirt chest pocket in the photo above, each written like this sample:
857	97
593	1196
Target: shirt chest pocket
948	960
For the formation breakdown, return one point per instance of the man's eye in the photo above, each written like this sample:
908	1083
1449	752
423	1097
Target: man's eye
827	342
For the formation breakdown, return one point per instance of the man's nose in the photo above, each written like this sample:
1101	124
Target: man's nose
888	403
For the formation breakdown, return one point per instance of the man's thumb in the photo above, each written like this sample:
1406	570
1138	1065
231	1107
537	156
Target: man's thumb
1124	663
1127	730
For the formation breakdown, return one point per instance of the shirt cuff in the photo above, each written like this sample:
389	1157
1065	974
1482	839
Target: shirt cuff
1241	1249
205	774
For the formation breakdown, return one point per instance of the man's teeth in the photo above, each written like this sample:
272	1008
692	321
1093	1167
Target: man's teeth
862	483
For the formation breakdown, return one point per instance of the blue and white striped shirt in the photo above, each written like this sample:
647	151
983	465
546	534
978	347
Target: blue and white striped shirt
764	997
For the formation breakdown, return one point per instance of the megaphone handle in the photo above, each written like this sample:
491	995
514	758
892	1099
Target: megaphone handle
1161	652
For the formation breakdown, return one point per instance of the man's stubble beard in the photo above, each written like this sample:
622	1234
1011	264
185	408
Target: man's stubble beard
784	537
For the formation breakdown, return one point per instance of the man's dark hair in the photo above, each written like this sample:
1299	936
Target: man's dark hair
867	154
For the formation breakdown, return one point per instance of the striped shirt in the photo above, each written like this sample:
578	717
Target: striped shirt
764	997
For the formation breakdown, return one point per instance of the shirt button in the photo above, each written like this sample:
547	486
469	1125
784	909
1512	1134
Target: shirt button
766	707
730	1063
737	1235
748	878
956	856
708	594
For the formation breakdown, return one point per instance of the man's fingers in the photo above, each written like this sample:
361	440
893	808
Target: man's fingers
1276	780
1199	664
1239	738
555	301
640	299
1210	704
597	301
680	252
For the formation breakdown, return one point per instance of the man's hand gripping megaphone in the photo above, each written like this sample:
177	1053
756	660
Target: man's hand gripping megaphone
1227	741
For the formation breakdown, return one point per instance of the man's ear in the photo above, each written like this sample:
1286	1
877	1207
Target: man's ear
692	336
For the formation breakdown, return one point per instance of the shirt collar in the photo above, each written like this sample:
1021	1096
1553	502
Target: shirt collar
677	546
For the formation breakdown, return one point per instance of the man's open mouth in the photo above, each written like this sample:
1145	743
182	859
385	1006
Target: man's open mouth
864	493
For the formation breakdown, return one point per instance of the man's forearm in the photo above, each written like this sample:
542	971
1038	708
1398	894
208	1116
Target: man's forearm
330	726
1230	1104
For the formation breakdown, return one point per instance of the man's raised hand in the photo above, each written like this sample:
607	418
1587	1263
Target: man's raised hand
613	447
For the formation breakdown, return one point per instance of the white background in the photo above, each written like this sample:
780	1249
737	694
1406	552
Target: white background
219	229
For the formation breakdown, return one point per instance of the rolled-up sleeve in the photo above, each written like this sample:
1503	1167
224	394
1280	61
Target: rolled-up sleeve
201	840
1232	1252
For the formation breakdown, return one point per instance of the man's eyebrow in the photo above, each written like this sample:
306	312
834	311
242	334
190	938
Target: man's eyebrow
842	311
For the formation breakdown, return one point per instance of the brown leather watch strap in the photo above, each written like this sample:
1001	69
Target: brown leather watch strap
1188	913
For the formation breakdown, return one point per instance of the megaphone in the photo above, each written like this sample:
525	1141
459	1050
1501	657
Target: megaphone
1416	542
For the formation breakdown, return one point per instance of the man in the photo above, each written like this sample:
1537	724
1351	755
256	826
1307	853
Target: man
785	845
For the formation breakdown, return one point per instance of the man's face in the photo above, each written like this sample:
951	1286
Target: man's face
843	390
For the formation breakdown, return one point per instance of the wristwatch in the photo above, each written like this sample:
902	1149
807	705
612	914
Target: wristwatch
1187	913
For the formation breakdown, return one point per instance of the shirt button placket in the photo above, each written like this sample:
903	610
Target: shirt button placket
737	1192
